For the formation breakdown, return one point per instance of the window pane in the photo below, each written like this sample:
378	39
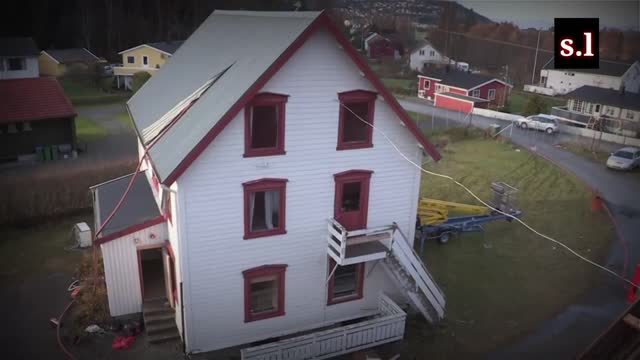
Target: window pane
264	210
264	294
16	64
345	282
351	196
355	130
264	127
130	59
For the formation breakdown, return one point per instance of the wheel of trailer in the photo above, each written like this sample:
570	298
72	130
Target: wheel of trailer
444	237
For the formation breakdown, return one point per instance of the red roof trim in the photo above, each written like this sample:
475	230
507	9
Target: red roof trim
322	20
130	230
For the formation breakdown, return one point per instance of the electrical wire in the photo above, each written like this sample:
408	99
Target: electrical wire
557	242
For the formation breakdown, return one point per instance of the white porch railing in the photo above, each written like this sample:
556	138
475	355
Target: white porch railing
358	246
384	328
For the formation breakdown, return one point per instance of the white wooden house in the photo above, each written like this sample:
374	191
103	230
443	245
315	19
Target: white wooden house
426	53
18	58
275	209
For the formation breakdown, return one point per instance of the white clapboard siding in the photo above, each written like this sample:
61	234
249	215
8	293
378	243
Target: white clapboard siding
214	251
172	228
121	268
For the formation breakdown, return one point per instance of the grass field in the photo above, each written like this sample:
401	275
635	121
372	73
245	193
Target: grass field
25	251
518	100
502	283
87	130
125	119
85	94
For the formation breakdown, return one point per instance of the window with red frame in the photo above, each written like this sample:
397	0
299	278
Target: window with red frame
264	125
355	106
264	207
264	292
346	283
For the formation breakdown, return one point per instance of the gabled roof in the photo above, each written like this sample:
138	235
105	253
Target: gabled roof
167	47
462	79
137	208
18	46
33	99
422	44
63	56
218	84
611	68
626	100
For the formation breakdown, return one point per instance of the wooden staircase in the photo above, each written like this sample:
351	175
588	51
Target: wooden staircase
159	321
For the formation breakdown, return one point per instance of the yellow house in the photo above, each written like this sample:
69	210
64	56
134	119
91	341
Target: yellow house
57	62
147	57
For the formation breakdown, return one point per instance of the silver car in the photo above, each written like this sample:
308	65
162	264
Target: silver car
546	123
626	158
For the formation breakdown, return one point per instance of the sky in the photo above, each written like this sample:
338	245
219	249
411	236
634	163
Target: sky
623	14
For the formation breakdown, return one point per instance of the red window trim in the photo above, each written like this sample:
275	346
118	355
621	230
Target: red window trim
356	96
265	184
264	270
278	100
360	286
172	271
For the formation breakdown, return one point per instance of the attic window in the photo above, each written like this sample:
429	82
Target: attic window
264	125
356	118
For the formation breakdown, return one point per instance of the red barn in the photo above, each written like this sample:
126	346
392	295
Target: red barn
379	47
482	90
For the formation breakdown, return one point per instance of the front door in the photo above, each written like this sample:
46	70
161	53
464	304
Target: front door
352	198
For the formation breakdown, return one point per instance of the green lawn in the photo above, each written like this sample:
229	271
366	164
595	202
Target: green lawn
401	86
503	283
81	93
87	130
77	89
518	100
125	119
38	249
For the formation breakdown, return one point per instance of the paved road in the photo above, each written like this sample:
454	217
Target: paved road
571	331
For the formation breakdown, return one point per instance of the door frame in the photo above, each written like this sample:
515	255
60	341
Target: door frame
364	178
139	250
171	273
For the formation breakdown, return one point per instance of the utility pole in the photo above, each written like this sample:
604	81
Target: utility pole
535	59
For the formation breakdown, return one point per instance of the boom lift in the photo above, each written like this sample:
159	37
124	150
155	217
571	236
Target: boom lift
434	222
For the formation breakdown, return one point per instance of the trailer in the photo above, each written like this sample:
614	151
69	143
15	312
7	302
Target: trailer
433	220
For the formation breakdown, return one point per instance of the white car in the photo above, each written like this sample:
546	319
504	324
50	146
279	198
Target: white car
546	123
626	158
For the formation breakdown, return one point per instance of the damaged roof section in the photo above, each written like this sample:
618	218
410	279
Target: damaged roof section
138	207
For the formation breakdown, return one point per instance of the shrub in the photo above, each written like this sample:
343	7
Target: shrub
139	79
535	105
55	189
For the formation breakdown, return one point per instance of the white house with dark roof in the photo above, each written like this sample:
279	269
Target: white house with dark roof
283	214
18	58
610	75
426	53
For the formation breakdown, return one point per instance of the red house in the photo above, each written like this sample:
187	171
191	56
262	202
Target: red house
458	90
379	47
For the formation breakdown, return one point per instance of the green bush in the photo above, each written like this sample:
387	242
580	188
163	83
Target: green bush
106	84
139	79
535	105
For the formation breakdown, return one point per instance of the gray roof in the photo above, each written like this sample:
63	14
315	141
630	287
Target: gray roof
226	54
18	46
461	79
167	46
626	100
465	97
610	68
138	207
72	55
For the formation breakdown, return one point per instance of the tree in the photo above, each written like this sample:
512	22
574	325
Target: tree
139	79
535	105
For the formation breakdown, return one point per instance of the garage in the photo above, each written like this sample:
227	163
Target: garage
457	102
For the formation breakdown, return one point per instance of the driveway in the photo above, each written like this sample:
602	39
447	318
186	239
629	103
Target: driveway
120	143
571	331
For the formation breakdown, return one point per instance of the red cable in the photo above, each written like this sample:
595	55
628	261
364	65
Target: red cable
67	352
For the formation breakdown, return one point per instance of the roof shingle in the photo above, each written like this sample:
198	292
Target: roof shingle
626	100
460	79
33	99
71	55
606	68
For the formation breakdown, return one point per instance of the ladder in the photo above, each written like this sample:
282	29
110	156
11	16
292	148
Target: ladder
404	265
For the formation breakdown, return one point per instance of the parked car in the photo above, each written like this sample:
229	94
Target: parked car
626	158
546	123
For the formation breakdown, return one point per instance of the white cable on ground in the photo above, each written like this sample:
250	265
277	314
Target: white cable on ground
557	242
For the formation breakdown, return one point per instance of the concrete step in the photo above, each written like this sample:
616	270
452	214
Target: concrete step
159	317
159	327
155	307
164	336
